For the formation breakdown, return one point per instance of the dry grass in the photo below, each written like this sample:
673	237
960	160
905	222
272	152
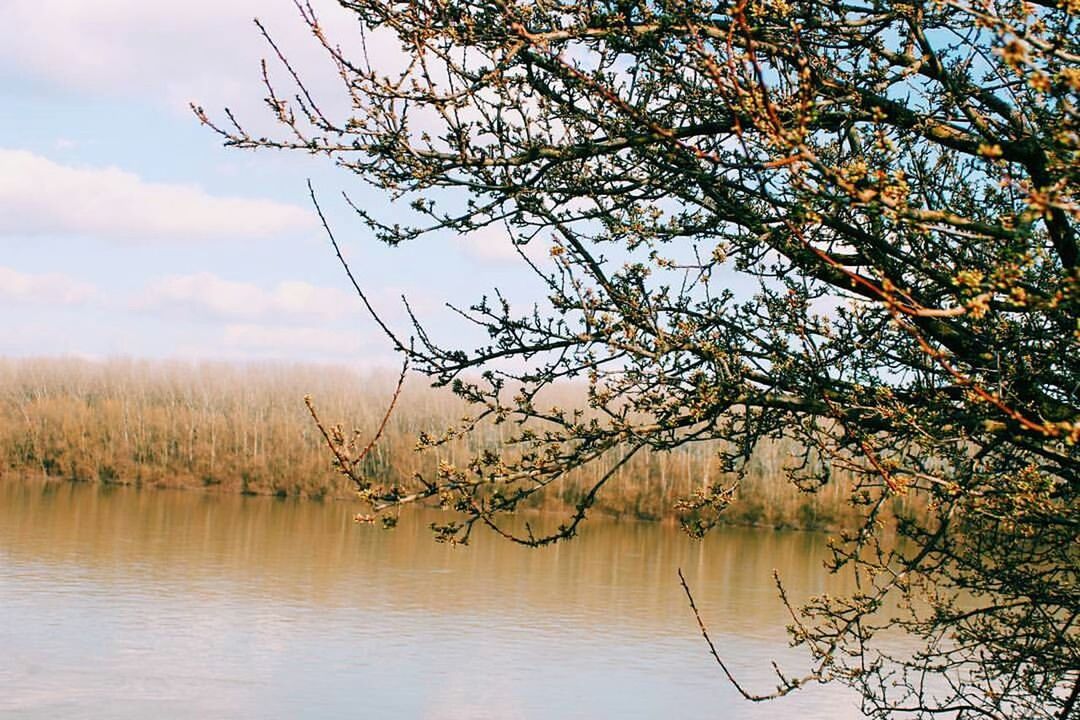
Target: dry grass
245	429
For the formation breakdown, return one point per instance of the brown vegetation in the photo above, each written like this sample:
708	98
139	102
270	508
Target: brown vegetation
245	429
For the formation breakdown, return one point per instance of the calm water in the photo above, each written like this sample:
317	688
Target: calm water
127	604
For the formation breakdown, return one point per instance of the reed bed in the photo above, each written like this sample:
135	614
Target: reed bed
245	429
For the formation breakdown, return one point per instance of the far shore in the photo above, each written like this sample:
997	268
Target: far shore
244	429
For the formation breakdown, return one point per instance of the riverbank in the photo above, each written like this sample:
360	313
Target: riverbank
245	429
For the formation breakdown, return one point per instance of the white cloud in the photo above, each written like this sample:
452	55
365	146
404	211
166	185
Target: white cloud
110	45
494	244
39	196
44	288
196	50
292	342
209	294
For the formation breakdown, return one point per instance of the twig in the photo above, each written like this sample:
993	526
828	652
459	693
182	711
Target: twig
389	409
398	345
787	685
345	460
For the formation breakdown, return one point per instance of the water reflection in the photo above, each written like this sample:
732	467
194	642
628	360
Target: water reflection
122	603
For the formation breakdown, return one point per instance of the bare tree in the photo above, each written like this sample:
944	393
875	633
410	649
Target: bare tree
897	182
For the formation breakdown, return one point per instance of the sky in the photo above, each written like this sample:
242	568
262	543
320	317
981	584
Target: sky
127	229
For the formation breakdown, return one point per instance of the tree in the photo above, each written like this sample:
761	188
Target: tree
854	224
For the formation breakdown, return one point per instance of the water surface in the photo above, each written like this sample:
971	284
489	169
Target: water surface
118	603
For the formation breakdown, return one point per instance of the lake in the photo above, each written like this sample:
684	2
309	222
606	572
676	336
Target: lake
121	603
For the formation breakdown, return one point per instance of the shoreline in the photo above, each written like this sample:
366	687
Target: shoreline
236	429
598	514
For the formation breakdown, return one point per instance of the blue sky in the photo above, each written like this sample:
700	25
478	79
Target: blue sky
125	227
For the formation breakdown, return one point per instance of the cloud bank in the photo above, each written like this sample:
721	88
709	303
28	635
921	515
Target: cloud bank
197	50
290	342
211	295
44	288
42	197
